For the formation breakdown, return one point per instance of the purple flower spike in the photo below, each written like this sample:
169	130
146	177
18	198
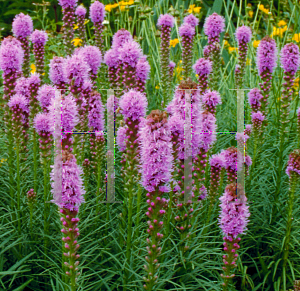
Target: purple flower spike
80	11
39	37
121	37
290	58
76	71
213	26
97	12
56	74
93	57
42	123
257	116
11	57
22	25
142	73
22	87
203	67
211	99
191	20
111	58
187	30
133	105
130	53
46	94
96	112
121	138
207	130
20	101
166	20
243	34
266	55
293	163
254	98
67	3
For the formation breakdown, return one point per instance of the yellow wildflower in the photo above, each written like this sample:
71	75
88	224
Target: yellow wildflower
263	9
256	43
77	41
232	49
278	31
86	21
197	76
296	37
122	7
281	23
250	13
33	68
173	42
193	9
156	87
296	83
226	43
75	26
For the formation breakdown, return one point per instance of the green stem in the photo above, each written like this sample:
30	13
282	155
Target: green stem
289	221
18	188
139	198
46	216
35	160
129	233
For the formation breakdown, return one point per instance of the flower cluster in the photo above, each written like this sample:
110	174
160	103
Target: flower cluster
39	39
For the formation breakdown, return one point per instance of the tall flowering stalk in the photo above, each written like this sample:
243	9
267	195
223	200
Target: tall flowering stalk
298	127
142	73
210	100
133	105
165	23
68	9
171	71
187	32
46	94
233	163
39	39
11	59
19	107
203	68
42	125
156	158
97	14
56	73
266	62
76	72
67	186
129	55
243	36
31	198
293	171
213	26
97	139
93	57
80	13
22	27
233	222
290	61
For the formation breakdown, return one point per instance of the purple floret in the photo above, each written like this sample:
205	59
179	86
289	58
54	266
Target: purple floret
22	25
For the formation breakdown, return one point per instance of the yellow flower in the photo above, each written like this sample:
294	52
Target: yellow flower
281	23
173	42
197	76
77	41
296	37
86	21
263	9
33	68
296	83
156	87
75	26
108	7
250	13
122	7
193	9
256	43
226	43
278	31
232	49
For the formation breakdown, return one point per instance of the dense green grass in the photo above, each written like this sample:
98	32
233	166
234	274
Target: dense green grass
24	264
